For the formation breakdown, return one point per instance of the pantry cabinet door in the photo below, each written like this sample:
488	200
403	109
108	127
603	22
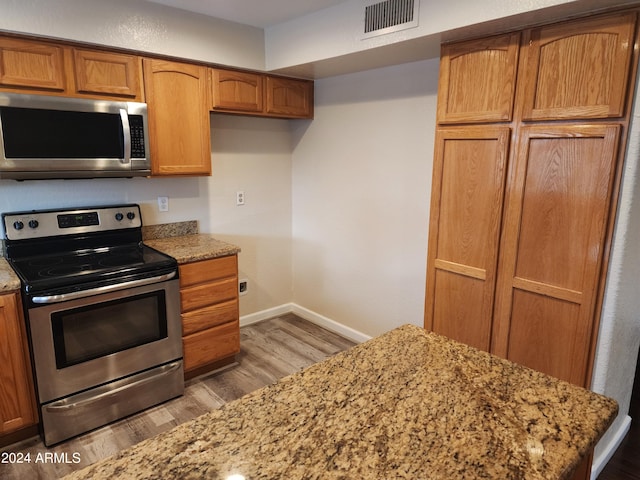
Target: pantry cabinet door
578	70
556	218
478	79
466	211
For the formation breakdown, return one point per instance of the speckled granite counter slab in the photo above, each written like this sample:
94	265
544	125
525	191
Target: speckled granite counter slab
407	404
191	248
164	230
8	279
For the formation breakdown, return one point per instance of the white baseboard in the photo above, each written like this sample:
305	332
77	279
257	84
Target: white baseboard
329	324
309	315
266	314
603	458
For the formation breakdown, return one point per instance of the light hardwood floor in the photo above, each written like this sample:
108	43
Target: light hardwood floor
270	350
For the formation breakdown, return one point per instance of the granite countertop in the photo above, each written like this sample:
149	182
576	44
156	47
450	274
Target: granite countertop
9	281
182	241
407	404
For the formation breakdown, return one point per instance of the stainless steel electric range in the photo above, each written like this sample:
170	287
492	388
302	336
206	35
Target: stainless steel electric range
102	311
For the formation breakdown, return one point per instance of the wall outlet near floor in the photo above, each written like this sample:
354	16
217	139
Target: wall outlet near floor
243	286
239	198
163	204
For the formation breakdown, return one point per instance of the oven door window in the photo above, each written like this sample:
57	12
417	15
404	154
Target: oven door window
84	333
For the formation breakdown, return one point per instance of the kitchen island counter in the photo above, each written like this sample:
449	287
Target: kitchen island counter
406	404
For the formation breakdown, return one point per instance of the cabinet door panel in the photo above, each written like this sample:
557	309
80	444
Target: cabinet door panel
289	98
466	210
236	91
579	70
555	225
178	118
477	80
16	398
547	334
106	73
35	65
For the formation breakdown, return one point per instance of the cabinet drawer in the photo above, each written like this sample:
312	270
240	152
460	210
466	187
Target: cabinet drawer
210	316
211	345
207	294
207	270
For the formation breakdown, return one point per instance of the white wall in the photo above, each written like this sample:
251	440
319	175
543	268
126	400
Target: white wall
138	25
361	188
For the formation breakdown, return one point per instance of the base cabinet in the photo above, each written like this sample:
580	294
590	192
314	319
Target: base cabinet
210	314
17	399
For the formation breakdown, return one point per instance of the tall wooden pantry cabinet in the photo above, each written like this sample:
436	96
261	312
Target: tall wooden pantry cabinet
531	129
530	137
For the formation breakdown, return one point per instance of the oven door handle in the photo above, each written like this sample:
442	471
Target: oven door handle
97	291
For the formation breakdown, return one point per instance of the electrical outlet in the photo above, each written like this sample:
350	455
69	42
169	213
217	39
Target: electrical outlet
163	204
239	198
243	286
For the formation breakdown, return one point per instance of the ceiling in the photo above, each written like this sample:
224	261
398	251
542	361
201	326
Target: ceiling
257	13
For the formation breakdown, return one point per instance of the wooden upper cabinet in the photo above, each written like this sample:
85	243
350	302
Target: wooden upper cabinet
28	64
553	246
104	73
258	94
466	212
178	110
290	98
578	69
236	91
17	400
477	80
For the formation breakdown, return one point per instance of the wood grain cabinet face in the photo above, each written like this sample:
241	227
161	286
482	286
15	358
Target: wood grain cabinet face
104	73
520	230
178	111
466	212
210	314
579	69
26	64
553	247
289	98
17	408
236	91
478	79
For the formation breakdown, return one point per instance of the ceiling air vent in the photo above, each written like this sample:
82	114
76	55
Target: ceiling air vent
390	16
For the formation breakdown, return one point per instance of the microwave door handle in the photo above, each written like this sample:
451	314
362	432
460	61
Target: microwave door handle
126	131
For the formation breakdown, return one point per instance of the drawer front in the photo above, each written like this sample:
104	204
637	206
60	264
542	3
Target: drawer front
207	270
207	294
211	345
210	316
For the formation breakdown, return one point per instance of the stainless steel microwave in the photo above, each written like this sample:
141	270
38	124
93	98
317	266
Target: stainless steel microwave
57	137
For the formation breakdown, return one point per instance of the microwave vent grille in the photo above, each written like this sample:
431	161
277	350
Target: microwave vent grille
390	16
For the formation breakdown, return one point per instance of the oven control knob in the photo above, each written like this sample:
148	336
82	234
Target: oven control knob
33	223
131	215
18	225
119	216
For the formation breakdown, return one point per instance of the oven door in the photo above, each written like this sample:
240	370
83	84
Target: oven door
86	342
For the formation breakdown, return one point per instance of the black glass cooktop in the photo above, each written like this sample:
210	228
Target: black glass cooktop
42	272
